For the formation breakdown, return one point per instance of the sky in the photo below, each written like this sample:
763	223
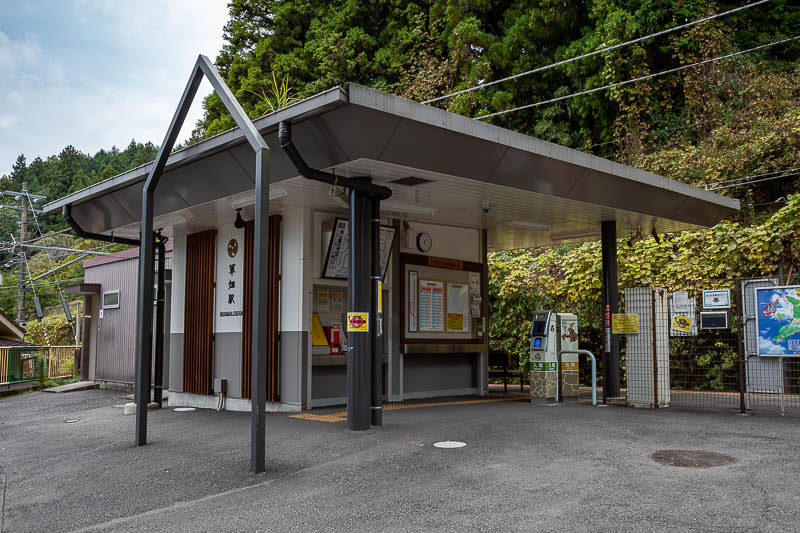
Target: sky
98	73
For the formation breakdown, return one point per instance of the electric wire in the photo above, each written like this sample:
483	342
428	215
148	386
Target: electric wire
735	180
596	52
753	181
640	78
49	259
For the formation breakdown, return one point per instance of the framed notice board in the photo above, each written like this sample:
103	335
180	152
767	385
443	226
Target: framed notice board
337	259
442	300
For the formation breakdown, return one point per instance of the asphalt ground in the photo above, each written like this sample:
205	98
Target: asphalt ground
526	467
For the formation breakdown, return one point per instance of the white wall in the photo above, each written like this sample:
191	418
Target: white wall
178	283
232	322
448	241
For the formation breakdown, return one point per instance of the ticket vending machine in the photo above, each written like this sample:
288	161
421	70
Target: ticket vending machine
550	333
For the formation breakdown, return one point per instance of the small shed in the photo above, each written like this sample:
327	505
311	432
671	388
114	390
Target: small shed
109	341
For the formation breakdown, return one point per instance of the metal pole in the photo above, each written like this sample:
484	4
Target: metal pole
144	318
739	302
23	236
260	328
609	251
158	373
360	299
376	316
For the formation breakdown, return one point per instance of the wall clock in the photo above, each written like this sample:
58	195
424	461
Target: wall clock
424	242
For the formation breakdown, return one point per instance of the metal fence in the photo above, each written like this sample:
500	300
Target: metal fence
683	364
32	363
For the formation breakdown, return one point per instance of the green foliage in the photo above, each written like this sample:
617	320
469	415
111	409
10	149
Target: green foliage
53	330
567	278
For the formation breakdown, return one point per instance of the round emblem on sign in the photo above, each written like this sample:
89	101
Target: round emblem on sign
233	248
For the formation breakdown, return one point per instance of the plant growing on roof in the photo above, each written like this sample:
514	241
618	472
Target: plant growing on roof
277	95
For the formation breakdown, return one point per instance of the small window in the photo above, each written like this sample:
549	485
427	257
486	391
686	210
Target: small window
111	300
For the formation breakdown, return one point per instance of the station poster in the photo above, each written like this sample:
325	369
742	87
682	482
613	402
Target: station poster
337	260
778	321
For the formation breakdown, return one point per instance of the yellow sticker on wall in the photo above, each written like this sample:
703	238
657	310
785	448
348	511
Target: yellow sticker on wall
358	322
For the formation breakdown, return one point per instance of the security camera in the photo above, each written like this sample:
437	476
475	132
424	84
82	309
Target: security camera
486	206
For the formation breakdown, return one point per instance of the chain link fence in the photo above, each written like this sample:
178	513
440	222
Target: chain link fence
696	354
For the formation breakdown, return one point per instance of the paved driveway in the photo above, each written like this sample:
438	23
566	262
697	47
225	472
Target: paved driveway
525	467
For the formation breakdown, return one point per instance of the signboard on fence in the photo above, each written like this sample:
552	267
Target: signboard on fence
624	323
778	320
717	299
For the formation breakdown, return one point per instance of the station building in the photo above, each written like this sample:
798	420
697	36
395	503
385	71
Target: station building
461	188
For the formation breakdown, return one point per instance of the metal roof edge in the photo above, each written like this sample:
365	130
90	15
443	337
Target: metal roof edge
297	111
409	109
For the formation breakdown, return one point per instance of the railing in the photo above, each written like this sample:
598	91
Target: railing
31	363
594	372
61	361
4	356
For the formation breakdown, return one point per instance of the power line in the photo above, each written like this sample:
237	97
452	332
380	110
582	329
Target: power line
753	181
735	180
590	54
641	78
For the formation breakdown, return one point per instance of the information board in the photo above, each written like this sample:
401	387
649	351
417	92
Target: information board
458	307
624	323
337	260
431	305
778	320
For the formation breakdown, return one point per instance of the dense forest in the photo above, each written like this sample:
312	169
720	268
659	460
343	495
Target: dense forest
731	125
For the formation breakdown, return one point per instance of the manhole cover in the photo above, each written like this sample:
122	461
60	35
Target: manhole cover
71	421
692	458
449	444
183	409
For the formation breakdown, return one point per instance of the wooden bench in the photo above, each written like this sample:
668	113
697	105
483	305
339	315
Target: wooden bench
509	368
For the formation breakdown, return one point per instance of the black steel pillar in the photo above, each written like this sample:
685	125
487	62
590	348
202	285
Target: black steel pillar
360	301
258	363
158	371
610	291
376	317
144	318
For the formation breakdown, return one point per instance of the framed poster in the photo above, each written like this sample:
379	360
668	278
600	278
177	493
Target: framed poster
431	305
337	260
458	311
412	301
778	321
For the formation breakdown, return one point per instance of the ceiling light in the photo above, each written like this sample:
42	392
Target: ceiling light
171	220
408	209
581	234
248	198
527	224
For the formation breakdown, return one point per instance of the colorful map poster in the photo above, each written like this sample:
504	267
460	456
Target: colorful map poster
778	321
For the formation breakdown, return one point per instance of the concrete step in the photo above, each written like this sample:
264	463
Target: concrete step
72	387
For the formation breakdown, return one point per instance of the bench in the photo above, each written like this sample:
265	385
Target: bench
509	367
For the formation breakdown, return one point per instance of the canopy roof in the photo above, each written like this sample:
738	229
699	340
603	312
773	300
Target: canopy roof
526	192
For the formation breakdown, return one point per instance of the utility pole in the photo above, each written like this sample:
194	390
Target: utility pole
23	237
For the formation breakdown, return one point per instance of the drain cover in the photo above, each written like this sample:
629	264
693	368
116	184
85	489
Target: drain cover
183	409
692	458
449	444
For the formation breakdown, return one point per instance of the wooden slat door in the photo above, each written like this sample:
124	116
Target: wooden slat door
273	278
198	342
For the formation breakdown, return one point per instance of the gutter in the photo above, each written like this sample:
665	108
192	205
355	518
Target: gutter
359	184
66	214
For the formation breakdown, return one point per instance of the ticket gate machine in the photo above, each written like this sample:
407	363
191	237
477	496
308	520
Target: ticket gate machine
551	333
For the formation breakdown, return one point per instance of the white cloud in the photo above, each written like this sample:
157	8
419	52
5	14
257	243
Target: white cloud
767	346
119	77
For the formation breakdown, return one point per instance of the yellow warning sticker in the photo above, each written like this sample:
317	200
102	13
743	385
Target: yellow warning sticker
358	322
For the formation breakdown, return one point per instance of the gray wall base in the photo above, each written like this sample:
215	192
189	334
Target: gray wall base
201	401
474	391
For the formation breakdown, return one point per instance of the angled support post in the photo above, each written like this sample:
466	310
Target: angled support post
144	321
